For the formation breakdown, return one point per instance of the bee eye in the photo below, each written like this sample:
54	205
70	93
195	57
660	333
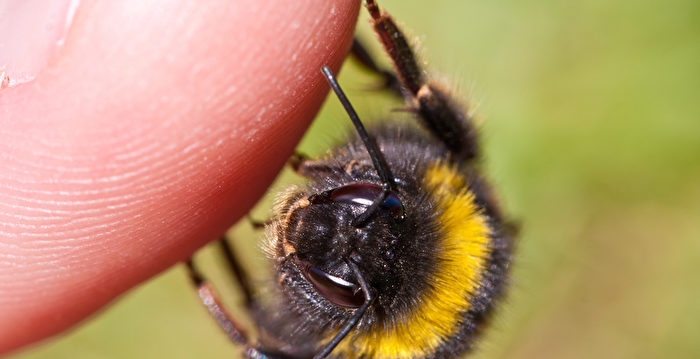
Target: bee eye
337	290
365	193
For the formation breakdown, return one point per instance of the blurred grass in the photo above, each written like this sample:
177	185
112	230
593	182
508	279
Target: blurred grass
590	115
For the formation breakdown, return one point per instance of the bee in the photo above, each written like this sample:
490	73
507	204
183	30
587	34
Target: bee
396	247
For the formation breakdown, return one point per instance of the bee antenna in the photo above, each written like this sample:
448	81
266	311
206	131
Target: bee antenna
377	157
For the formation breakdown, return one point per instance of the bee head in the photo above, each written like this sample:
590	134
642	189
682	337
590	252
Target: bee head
323	235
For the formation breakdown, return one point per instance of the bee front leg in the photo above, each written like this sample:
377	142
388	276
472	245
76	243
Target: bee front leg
232	328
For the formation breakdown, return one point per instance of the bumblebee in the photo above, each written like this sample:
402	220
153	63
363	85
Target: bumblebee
396	247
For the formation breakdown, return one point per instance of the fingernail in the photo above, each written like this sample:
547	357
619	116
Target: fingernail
30	33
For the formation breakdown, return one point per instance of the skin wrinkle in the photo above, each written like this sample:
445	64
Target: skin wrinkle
113	165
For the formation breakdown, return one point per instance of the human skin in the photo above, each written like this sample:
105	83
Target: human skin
146	134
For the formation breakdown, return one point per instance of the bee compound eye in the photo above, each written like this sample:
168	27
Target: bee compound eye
365	194
337	290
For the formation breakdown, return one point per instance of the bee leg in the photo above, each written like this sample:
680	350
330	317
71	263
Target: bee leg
361	55
439	112
302	165
237	271
233	329
257	224
298	160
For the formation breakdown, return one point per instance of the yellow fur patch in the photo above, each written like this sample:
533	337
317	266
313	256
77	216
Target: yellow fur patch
462	254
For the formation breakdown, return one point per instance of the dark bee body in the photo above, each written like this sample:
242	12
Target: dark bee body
396	248
400	262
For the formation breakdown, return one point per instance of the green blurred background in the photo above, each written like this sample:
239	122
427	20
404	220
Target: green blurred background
590	117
